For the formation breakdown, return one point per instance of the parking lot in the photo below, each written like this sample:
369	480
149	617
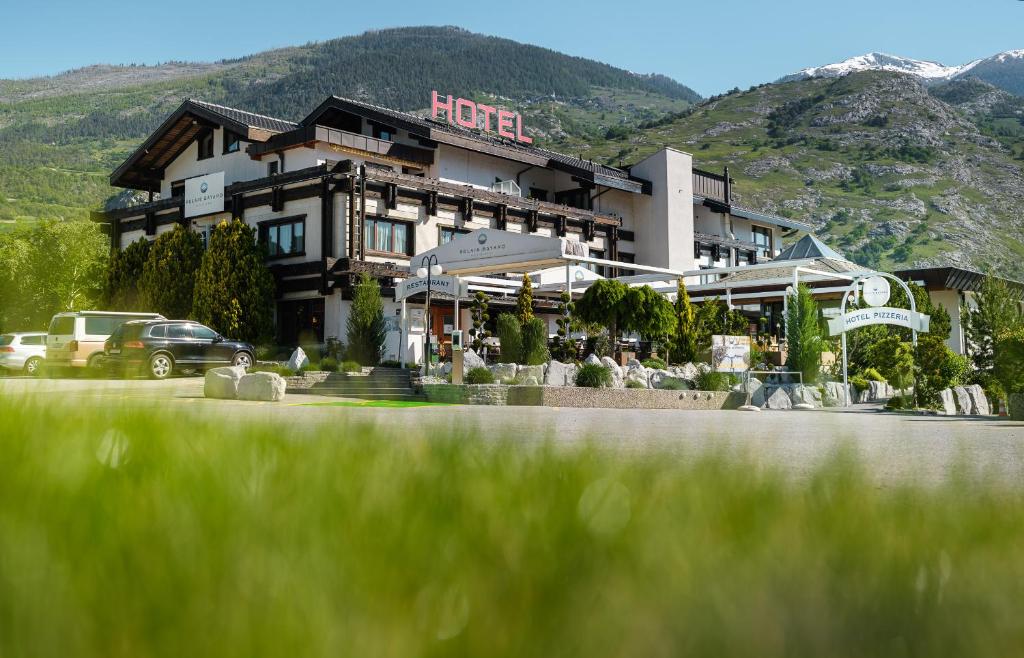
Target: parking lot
895	447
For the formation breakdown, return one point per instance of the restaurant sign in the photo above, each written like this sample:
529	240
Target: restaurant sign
478	116
204	194
442	285
880	315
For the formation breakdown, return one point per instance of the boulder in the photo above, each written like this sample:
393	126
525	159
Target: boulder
222	383
524	372
559	374
877	391
756	390
834	396
948	401
801	394
963	400
979	403
530	381
778	400
617	375
657	379
264	386
298	359
864	396
503	372
637	373
687	371
633	362
592	360
470	360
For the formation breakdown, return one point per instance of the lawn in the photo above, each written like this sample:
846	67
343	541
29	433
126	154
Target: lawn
139	533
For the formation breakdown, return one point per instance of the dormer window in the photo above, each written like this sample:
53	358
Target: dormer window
205	141
232	142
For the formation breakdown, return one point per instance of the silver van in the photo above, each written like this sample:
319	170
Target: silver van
75	339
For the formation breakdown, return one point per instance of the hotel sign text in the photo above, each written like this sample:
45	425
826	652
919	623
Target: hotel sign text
204	194
469	114
882	315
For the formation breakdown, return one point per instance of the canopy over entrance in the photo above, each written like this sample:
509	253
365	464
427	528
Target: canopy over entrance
492	250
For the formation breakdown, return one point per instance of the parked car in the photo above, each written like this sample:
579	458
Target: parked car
160	347
23	351
75	339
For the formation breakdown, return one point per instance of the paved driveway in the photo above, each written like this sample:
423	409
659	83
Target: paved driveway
894	447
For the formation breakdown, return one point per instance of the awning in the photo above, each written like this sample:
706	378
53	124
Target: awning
493	251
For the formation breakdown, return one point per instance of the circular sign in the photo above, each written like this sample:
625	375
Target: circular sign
482	238
876	291
203	187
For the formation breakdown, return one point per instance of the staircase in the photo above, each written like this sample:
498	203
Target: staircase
371	384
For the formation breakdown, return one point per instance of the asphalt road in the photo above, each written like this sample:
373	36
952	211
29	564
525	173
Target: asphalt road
895	447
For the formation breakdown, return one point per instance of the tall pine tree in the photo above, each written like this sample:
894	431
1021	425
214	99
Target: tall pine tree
168	278
234	292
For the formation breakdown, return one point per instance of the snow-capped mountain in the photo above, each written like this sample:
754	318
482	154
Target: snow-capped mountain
1005	70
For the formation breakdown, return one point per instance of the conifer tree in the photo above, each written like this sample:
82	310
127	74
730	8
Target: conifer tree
366	330
168	278
684	345
524	302
124	272
234	290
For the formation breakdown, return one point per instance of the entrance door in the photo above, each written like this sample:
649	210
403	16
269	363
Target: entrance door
300	321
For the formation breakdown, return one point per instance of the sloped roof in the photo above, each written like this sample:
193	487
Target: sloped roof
785	270
809	247
143	169
249	119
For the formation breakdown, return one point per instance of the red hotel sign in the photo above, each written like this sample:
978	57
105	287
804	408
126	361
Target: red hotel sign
463	112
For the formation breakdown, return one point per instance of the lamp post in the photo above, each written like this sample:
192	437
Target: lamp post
429	267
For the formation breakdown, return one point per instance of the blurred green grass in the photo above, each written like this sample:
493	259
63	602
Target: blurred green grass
127	532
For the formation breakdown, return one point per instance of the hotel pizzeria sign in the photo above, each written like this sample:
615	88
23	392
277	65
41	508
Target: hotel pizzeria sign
881	315
476	116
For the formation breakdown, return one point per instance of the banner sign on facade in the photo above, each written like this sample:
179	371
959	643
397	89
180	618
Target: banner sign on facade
443	285
476	116
880	315
204	195
730	353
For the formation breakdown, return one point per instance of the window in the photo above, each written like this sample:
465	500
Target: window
178	188
232	141
205	145
159	331
178	331
386	236
62	325
286	238
449	233
384	132
598	269
538	194
102	326
6	340
203	333
204	235
31	340
272	168
763	240
578	198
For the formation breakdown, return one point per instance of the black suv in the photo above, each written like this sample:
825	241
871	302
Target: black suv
159	347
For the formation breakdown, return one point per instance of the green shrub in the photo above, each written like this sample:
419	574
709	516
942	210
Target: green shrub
391	364
479	376
591	375
599	345
653	362
873	375
510	335
674	384
711	380
632	383
860	383
535	342
279	369
351	366
329	364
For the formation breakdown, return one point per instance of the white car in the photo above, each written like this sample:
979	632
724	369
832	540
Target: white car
23	351
76	338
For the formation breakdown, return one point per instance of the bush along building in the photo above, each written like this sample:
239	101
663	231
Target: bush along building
354	188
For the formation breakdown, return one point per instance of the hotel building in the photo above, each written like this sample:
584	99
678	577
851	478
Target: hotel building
355	188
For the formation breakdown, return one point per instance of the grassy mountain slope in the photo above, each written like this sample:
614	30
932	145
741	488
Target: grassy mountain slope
60	136
888	171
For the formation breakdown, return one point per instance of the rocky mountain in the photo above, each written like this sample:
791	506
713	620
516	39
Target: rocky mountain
890	171
1004	70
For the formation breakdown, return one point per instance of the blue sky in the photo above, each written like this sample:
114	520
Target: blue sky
710	45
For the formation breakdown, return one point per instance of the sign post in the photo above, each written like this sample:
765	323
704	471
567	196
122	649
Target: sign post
875	292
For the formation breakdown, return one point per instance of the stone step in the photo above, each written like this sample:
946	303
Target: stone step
400	397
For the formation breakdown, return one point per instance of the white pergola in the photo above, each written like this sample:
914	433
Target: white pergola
560	265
